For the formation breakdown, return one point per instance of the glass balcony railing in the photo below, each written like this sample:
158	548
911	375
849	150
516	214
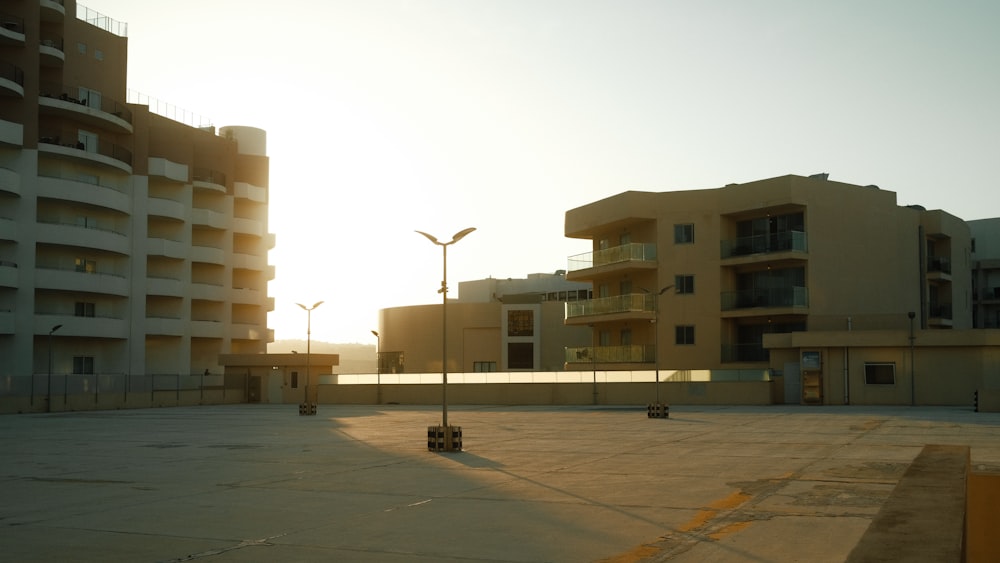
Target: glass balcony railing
940	265
632	252
633	353
940	311
745	352
763	244
774	297
631	303
70	93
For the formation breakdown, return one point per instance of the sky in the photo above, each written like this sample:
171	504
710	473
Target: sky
384	117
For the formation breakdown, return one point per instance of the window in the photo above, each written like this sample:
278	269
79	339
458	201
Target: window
684	334
483	367
520	323
81	48
626	336
83	365
87	266
520	355
86	141
84	309
880	374
295	380
99	54
684	233
684	284
90	98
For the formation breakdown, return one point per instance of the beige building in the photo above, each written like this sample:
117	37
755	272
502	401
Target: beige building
493	325
784	255
986	272
131	245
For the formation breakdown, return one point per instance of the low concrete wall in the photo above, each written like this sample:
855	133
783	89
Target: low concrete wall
674	393
923	520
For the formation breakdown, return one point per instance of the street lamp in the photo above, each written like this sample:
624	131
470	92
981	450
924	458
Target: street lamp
378	367
48	392
657	410
307	407
444	323
913	395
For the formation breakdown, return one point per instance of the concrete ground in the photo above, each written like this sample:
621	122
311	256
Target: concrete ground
356	483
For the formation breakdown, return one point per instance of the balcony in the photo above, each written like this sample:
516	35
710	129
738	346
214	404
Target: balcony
793	241
208	179
249	191
100	111
633	256
67	189
11	133
208	254
619	307
8	274
631	354
249	262
11	78
52	10
166	247
206	329
247	226
159	207
247	331
10	182
11	30
745	352
782	297
169	287
169	170
164	326
76	281
246	296
207	292
50	51
72	234
67	144
72	325
939	315
8	229
209	218
938	269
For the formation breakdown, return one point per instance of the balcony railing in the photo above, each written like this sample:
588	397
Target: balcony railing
640	252
774	297
942	265
764	244
940	311
12	23
631	303
71	139
69	93
12	72
629	354
745	352
209	176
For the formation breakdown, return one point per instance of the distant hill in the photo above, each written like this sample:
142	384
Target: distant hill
354	358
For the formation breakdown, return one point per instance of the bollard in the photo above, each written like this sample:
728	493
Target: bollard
444	438
657	410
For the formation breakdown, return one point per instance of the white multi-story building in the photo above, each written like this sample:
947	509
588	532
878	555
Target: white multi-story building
131	245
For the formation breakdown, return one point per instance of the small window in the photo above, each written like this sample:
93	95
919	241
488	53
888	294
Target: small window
81	48
484	367
99	54
83	365
880	374
295	380
684	284
684	233
84	309
684	334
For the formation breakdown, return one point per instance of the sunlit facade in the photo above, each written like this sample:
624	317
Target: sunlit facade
782	255
513	324
130	244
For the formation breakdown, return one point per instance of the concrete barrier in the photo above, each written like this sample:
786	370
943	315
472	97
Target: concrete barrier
923	520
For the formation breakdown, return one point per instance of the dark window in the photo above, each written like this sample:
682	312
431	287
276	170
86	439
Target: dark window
520	355
684	334
520	323
83	365
684	234
295	380
684	284
880	374
84	309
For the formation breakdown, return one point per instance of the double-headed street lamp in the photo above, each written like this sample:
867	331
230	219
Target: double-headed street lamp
444	317
308	310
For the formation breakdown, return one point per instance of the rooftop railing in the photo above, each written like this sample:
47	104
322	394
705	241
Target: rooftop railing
99	20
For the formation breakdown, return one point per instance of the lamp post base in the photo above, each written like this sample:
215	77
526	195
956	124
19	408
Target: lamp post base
307	409
444	438
657	410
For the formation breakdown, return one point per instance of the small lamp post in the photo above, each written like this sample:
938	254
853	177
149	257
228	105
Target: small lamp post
378	367
913	392
307	407
657	409
48	386
448	443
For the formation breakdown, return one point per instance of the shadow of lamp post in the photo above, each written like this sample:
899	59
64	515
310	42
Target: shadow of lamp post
444	437
657	409
308	407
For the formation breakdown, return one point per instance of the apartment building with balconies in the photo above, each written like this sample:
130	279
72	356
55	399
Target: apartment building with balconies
694	279
131	245
986	272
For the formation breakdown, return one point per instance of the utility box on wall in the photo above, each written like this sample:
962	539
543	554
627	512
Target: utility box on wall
812	377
